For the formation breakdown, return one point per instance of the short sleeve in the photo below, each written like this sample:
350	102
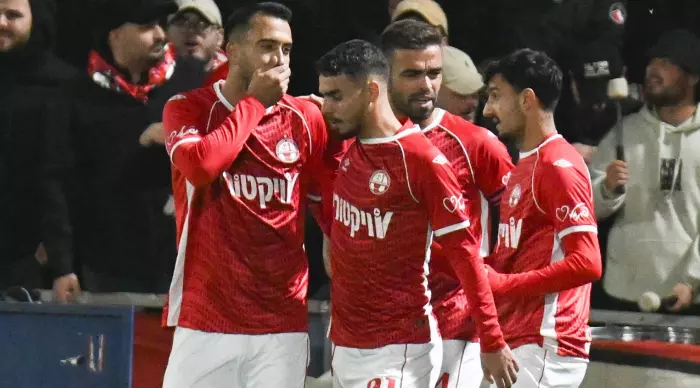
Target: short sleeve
437	188
563	192
180	117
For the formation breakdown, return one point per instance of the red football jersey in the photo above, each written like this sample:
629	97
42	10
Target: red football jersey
481	163
241	177
548	201
391	197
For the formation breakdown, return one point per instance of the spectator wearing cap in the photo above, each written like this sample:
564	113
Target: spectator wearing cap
32	112
654	243
122	222
595	65
196	30
423	10
461	84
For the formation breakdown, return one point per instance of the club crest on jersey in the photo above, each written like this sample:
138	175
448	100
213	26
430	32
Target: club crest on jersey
515	196
379	182
618	13
287	151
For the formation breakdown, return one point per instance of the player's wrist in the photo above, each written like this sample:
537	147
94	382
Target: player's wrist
493	345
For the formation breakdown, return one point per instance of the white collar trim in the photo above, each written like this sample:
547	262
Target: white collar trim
440	113
217	89
389	139
531	152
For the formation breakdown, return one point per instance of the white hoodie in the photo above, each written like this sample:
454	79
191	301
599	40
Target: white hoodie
655	242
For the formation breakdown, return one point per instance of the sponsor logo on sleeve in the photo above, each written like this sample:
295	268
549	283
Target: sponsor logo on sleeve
440	160
575	214
453	203
177	97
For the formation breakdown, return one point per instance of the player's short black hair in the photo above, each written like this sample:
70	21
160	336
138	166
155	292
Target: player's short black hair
355	58
532	69
241	17
409	34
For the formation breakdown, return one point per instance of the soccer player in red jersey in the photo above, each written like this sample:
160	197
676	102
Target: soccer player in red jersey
481	164
547	253
245	157
394	193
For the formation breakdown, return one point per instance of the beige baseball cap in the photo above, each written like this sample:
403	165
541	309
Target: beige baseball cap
428	9
207	8
459	73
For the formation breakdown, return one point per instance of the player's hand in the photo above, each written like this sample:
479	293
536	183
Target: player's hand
500	367
317	100
268	86
154	134
617	174
684	293
66	288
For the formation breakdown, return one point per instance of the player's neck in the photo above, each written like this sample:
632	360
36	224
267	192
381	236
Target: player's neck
233	90
382	123
537	130
424	123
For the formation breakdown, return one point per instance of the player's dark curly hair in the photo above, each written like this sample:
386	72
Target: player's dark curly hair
241	17
532	69
409	34
355	58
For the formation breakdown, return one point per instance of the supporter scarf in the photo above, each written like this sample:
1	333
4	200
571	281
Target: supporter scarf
109	77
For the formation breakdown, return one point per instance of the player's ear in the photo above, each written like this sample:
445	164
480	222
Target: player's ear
528	99
232	50
374	89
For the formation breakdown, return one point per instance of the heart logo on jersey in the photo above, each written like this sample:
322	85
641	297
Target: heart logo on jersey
562	212
453	203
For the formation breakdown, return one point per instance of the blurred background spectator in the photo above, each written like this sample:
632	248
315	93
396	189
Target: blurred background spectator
32	112
196	30
122	221
654	241
461	84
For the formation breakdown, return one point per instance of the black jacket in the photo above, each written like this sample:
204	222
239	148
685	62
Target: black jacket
32	114
121	188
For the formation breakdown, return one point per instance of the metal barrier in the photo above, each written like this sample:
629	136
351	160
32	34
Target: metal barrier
628	350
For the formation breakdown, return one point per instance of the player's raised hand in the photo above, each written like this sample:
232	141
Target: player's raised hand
616	175
500	367
268	86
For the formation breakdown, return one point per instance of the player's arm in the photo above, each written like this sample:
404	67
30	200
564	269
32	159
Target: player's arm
201	157
492	166
436	188
563	194
326	154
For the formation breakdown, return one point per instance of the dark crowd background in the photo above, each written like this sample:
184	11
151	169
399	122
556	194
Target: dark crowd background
573	32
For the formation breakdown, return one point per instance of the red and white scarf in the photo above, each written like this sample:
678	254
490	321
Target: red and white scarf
109	77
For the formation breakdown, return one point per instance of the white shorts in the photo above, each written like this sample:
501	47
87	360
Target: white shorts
461	365
214	360
542	368
391	366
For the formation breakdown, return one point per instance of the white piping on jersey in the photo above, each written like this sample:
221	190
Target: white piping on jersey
175	293
578	229
533	151
405	167
439	114
217	89
211	111
428	307
532	184
306	125
548	326
452	228
389	139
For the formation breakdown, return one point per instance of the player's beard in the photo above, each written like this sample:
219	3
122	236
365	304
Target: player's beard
406	105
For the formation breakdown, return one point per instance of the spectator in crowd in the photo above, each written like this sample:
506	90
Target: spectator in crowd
654	244
120	203
461	84
594	112
196	30
423	10
31	113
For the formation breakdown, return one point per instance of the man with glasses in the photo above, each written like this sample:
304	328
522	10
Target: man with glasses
195	30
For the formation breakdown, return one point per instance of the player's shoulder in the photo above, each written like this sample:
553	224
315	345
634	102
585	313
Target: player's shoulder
418	148
305	109
470	134
559	159
193	100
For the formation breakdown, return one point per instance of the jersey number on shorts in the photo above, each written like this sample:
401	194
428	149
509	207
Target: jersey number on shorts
377	383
